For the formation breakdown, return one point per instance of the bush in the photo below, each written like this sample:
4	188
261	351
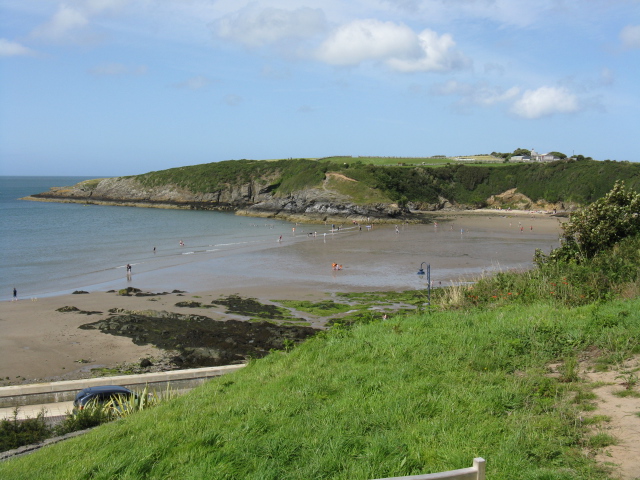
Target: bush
16	433
599	226
90	417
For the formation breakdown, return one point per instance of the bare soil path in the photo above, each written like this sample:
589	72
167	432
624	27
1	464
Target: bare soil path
624	418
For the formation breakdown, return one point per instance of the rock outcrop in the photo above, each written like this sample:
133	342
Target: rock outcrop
254	198
199	340
512	199
130	191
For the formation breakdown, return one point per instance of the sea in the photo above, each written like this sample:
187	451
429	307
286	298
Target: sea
56	248
51	249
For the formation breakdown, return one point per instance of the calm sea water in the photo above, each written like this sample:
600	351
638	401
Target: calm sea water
54	248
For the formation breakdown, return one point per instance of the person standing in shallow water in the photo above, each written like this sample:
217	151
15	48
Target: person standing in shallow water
15	294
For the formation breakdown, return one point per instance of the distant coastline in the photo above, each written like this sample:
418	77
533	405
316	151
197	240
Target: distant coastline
411	216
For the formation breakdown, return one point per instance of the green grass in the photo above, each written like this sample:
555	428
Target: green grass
409	395
601	440
357	191
323	308
434	161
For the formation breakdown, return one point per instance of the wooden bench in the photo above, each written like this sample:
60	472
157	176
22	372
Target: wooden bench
476	472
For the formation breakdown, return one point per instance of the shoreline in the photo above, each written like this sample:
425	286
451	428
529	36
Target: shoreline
41	344
414	216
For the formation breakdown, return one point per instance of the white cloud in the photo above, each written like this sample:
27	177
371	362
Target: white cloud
116	69
516	13
481	94
99	6
363	40
490	97
194	83
607	77
437	54
65	20
630	36
70	19
13	49
232	100
395	44
255	27
545	101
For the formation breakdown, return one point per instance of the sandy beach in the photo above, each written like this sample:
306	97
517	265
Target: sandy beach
39	343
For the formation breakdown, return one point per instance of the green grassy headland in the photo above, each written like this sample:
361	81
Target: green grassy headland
401	180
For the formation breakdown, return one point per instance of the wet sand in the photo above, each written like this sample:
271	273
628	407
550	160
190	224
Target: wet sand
40	344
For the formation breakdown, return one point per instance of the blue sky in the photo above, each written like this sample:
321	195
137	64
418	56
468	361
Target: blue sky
120	87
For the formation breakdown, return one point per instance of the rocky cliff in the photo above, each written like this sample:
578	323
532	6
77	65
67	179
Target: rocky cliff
253	198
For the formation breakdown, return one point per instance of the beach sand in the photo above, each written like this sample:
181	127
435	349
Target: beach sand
39	343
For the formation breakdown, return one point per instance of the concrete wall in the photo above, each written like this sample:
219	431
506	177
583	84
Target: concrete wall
39	393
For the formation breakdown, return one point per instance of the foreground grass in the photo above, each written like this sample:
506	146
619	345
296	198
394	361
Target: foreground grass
404	396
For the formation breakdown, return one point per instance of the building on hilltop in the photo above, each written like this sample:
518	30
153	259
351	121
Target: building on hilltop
534	157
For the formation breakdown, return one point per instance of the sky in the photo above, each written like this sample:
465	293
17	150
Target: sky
123	87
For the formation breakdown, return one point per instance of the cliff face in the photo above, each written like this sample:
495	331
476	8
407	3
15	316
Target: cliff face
253	198
256	198
128	190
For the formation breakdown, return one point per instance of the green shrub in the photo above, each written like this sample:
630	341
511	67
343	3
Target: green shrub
599	226
16	433
91	416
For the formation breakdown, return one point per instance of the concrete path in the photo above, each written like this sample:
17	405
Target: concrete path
58	409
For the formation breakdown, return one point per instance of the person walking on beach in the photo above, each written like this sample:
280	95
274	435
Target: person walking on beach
15	294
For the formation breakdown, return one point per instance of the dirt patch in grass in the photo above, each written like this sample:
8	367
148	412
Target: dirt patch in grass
618	402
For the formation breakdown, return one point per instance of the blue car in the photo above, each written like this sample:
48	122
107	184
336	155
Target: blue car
100	395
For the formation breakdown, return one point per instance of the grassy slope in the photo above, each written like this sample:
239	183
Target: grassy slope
404	396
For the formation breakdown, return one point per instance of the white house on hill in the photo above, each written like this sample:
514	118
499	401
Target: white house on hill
534	157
